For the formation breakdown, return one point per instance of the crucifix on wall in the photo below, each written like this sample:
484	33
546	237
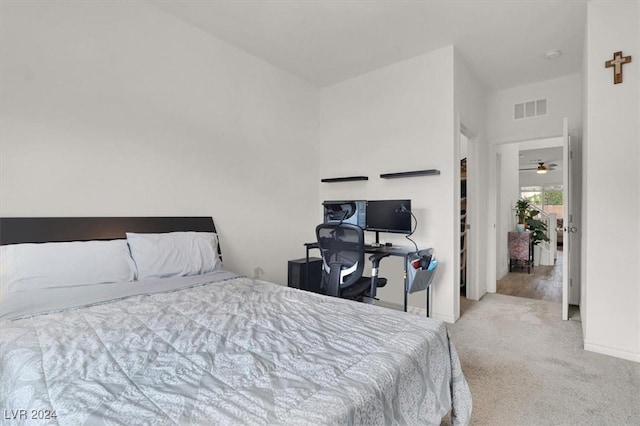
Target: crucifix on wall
617	62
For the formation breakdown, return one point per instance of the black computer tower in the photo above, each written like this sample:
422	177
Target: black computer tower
297	270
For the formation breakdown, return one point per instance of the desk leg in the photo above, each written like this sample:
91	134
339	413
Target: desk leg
306	270
406	285
531	255
428	291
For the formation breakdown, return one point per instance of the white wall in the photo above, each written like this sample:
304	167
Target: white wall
564	100
116	108
398	118
612	182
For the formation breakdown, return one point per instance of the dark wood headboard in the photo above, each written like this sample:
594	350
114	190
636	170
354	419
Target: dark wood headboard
15	230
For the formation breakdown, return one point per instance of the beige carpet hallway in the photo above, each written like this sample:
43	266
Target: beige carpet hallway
525	366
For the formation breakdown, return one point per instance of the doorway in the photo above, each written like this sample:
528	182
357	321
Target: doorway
540	184
470	244
542	171
464	218
472	238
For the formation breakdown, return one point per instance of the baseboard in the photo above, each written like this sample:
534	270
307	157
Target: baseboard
501	273
446	318
607	350
423	312
436	315
415	310
399	307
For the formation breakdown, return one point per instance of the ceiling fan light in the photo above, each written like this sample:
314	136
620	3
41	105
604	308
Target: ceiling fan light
542	169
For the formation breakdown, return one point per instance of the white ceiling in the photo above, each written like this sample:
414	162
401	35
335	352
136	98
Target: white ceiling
325	42
531	157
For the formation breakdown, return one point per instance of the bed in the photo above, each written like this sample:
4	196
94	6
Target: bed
201	346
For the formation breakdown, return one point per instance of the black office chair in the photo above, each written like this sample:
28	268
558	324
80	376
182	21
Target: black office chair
342	250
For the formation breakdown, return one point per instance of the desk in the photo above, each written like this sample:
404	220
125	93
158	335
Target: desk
400	251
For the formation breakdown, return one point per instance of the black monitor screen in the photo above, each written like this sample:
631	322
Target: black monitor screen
389	216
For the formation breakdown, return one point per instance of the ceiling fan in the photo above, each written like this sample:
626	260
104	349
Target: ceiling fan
542	168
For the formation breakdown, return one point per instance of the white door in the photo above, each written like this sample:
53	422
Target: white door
568	228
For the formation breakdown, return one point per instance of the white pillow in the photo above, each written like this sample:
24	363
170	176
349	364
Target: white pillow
173	254
26	267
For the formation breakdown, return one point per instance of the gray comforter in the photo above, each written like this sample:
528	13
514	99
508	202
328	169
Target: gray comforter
236	351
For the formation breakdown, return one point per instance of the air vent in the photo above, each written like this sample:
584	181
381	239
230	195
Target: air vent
530	109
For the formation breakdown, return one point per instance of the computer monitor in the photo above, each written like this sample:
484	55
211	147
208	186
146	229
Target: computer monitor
389	216
352	212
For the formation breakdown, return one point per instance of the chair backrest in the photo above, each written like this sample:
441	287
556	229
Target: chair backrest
342	251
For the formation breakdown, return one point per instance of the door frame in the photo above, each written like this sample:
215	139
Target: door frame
494	196
571	283
473	290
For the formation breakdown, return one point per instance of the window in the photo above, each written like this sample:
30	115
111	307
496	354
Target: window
545	198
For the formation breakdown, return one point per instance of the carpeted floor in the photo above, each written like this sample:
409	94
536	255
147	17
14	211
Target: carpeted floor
525	366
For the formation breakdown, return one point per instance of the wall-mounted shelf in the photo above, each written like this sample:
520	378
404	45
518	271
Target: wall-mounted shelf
344	179
430	172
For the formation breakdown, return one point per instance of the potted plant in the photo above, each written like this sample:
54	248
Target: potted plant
536	226
538	230
522	212
526	215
